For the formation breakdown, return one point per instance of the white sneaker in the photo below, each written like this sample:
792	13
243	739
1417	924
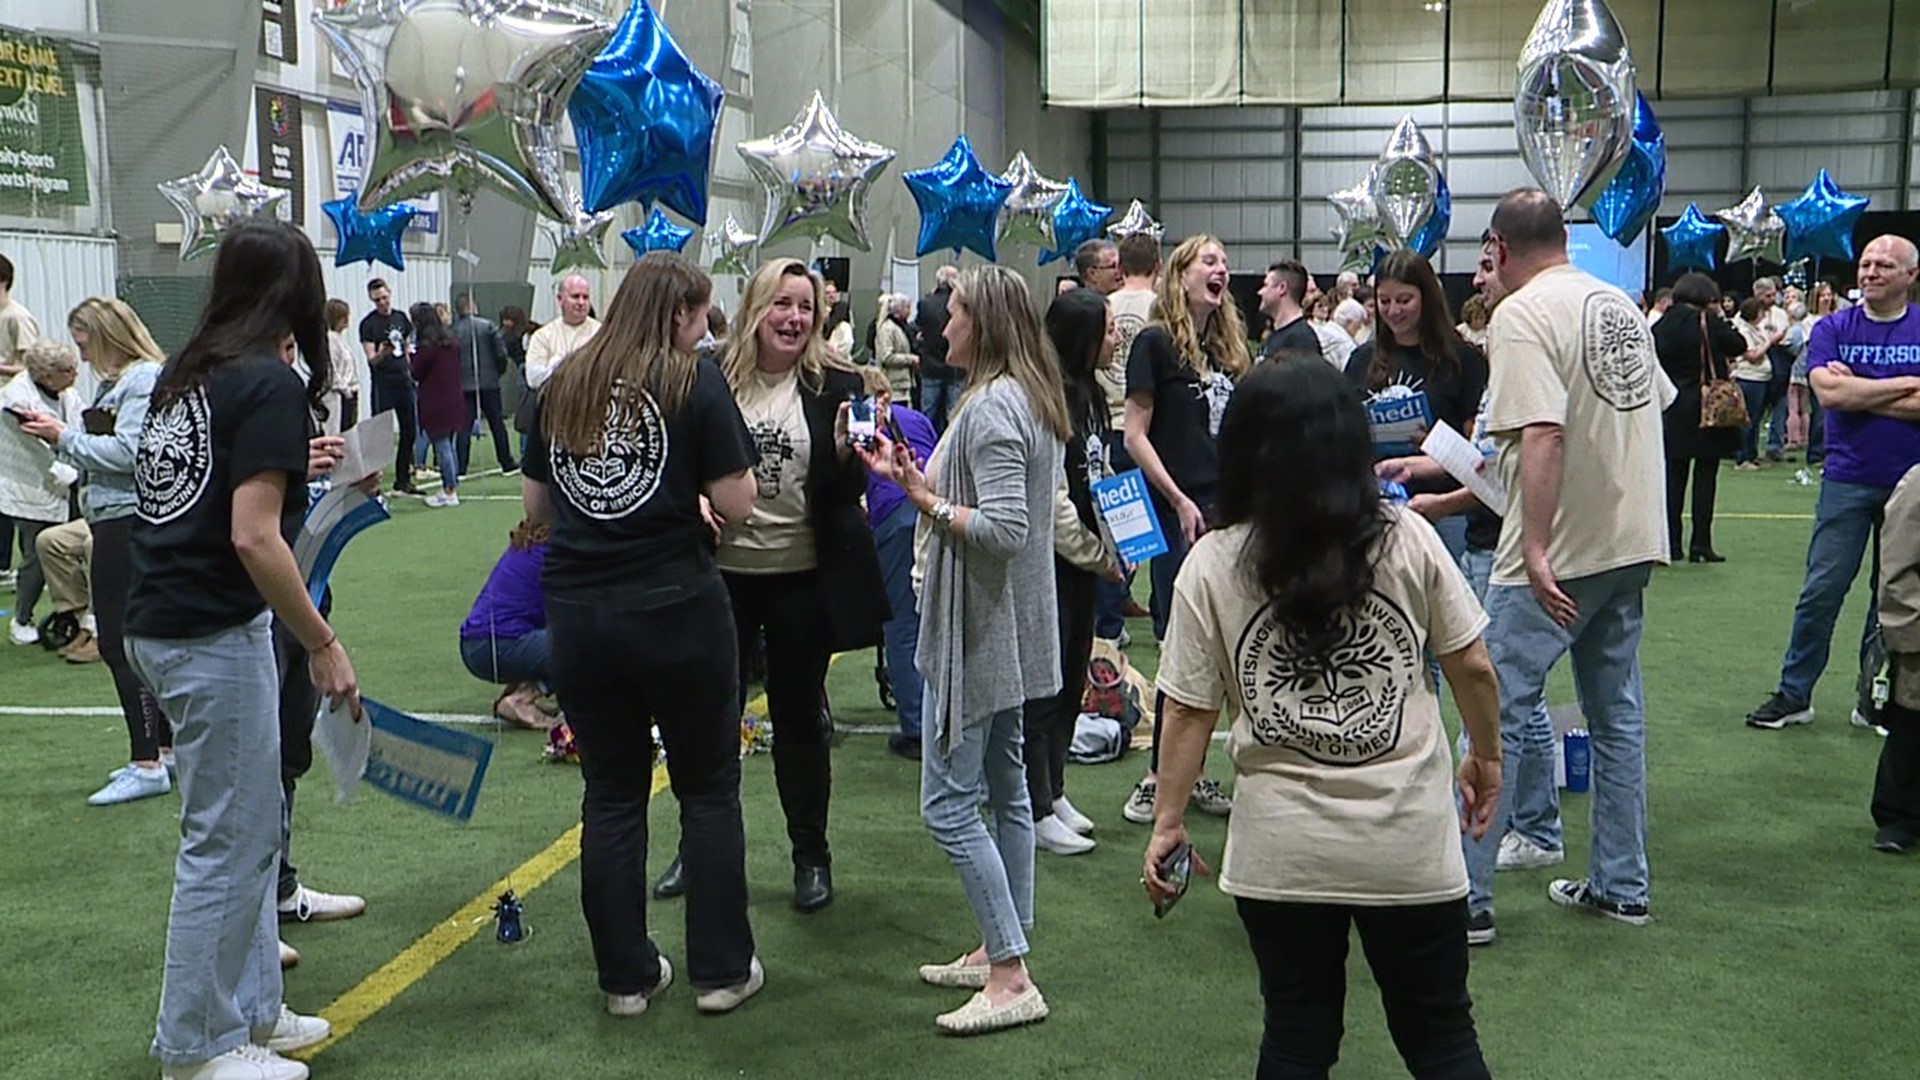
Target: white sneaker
1860	720
1053	834
1139	808
249	1062
635	1004
1071	818
289	956
312	905
1519	853
131	783
729	998
9	578
1210	798
295	1032
23	633
435	500
88	624
450	499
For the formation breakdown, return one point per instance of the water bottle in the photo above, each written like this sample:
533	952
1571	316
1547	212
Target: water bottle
1579	757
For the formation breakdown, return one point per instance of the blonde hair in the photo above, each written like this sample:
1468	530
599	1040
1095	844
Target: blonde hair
116	338
1226	340
1008	343
875	381
46	356
634	353
743	347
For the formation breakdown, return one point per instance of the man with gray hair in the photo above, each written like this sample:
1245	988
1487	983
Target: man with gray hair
560	338
1339	333
1775	321
1097	264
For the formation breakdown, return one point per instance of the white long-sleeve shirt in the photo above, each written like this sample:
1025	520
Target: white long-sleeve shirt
553	343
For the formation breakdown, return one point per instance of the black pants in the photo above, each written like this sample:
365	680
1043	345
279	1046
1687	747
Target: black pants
299	707
792	613
1896	786
1050	721
1419	959
349	411
1706	482
111	577
399	397
622	662
486	403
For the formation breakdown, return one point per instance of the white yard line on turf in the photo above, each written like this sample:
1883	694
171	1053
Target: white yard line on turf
437	718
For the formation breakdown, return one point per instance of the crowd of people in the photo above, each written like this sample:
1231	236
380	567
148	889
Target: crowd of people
700	505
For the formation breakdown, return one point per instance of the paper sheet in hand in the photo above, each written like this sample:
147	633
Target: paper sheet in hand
346	745
370	446
1129	517
433	767
339	516
1398	421
1463	462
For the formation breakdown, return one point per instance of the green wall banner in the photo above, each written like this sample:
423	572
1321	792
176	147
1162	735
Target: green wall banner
43	159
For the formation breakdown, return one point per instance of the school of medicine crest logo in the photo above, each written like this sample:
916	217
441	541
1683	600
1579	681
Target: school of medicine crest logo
175	462
1343	710
626	472
1618	351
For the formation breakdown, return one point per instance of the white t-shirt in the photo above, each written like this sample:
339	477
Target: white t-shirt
1760	370
1571	350
1343	790
776	538
1336	345
553	343
1131	309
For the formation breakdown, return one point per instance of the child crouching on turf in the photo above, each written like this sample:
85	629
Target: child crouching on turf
504	639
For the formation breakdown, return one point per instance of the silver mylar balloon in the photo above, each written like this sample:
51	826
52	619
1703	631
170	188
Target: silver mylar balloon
1404	182
1573	105
816	178
732	247
1754	231
1136	221
215	199
581	244
1027	215
1358	230
458	93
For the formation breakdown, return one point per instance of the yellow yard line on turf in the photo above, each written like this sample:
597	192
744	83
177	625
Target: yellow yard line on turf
377	991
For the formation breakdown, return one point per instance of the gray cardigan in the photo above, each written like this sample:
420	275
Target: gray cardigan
107	460
989	620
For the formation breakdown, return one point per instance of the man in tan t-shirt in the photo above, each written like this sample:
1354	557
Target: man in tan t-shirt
1132	308
1573	401
18	328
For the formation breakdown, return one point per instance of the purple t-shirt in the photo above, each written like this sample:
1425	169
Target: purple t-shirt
1863	448
884	496
511	603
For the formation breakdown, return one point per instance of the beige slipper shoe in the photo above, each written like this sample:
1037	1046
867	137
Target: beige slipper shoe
980	1016
958	975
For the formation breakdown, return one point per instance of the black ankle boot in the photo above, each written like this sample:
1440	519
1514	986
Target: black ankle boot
812	888
1705	557
672	884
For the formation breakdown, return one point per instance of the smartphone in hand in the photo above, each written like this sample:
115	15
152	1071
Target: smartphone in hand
1176	870
862	422
19	413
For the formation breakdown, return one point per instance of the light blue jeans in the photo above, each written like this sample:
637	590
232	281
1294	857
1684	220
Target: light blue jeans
222	980
893	539
1846	526
1604	643
984	766
1530	787
446	451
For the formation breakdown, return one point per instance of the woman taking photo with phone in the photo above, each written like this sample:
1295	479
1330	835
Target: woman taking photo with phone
1180	376
220	481
989	626
632	434
800	567
126	361
1308	615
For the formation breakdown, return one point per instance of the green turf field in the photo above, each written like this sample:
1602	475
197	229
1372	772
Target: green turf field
1776	948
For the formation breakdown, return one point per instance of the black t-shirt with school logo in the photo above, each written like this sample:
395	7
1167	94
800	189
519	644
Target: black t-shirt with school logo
1187	409
1453	393
248	417
630	515
393	329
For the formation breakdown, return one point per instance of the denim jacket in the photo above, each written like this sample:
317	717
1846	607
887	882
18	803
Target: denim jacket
107	460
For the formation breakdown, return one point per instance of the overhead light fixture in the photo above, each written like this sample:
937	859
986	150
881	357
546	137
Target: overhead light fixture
1434	7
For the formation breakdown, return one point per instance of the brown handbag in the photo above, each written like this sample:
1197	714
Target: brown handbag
1722	405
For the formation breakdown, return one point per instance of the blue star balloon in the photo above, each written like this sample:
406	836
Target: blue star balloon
1820	222
1628	203
1434	233
366	237
959	202
658	234
645	118
1075	221
1691	240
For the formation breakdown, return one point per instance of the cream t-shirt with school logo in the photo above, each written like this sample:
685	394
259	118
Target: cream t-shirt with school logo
1569	349
777	537
1343	789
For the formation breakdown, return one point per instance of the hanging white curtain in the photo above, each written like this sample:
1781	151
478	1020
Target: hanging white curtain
53	272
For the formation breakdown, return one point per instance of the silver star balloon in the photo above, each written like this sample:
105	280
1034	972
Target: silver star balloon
1027	215
1358	229
816	178
1136	221
460	93
215	199
1574	100
1754	231
581	244
732	247
1404	182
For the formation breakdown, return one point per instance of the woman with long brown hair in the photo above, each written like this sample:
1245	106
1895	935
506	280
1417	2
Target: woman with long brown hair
632	437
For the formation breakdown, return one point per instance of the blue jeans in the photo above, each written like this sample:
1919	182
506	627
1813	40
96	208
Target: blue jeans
937	398
222	980
894	539
1531	789
506	661
447	451
1755	393
1605	645
1846	520
985	766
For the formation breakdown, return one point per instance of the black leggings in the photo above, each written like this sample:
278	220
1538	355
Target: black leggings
1050	721
1706	482
790	609
112	579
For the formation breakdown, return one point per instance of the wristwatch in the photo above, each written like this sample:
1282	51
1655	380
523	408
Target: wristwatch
944	513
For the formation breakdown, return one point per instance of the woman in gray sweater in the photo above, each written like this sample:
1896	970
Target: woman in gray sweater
989	626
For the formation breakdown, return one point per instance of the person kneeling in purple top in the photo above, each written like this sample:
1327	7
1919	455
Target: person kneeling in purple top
504	639
892	520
